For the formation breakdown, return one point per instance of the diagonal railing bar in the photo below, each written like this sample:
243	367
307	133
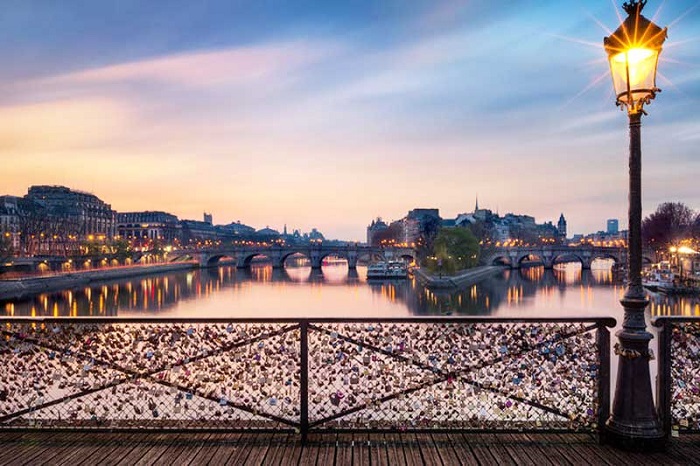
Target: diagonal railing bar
442	376
136	375
374	348
63	399
362	406
526	401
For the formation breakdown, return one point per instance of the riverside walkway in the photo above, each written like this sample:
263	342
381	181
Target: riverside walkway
146	448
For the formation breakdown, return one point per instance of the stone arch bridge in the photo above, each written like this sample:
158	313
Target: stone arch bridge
550	255
243	255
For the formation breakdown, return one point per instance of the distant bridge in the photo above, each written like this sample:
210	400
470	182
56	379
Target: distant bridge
551	255
315	253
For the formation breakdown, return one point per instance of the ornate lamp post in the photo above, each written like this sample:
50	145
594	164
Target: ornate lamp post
633	53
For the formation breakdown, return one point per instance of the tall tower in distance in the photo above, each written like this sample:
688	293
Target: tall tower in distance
208	218
561	226
613	226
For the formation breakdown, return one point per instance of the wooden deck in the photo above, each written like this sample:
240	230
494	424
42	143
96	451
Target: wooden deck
77	448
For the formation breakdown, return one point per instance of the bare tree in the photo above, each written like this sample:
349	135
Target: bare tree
672	222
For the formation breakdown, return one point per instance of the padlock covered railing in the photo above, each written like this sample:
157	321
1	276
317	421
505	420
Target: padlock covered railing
678	384
305	374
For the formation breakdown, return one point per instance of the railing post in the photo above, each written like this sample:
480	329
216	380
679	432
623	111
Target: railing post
663	381
304	380
603	342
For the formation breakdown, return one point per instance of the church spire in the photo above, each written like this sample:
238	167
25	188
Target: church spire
477	203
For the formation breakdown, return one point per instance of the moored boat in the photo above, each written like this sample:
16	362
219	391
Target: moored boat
382	269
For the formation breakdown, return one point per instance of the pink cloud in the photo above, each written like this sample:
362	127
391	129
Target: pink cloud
206	68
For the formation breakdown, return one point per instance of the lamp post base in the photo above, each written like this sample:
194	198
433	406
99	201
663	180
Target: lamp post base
634	423
635	438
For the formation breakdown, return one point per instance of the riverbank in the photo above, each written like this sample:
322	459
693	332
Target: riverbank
21	288
462	279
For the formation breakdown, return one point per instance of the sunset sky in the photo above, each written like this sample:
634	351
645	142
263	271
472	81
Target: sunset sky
326	114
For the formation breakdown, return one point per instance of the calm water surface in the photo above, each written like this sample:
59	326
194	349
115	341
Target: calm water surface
335	292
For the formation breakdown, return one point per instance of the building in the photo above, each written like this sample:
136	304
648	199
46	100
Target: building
195	231
374	228
208	218
80	212
613	226
9	220
142	227
561	227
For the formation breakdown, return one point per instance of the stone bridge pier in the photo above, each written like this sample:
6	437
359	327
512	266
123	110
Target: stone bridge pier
352	260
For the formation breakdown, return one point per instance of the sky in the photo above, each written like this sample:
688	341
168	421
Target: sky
314	113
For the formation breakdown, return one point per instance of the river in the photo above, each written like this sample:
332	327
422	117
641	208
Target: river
335	292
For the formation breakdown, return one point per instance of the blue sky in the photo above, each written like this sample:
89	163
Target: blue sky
327	114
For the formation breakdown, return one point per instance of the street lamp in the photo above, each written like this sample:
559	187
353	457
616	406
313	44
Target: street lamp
633	53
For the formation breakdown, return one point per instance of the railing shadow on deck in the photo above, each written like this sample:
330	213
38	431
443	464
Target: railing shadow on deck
306	375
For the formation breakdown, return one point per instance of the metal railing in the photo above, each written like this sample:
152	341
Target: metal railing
678	384
305	374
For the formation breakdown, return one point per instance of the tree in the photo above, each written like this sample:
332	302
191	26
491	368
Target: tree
672	222
454	249
429	228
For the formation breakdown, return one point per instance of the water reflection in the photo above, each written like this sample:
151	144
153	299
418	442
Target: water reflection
333	291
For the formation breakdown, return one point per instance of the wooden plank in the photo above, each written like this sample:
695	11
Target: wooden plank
378	452
514	446
443	444
411	449
344	450
578	451
204	454
481	451
291	454
462	450
89	447
159	445
309	452
361	450
26	440
326	453
394	449
277	445
540	450
234	449
47	448
428	450
100	454
189	445
141	448
10	435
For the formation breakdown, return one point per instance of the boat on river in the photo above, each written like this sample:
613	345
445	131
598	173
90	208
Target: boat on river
660	277
391	269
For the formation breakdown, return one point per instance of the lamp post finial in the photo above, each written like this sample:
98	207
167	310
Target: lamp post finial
634	6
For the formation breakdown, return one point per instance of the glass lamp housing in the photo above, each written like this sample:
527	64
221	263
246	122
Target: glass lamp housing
633	54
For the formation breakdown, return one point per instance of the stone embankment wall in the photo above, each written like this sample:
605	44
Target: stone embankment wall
25	287
462	279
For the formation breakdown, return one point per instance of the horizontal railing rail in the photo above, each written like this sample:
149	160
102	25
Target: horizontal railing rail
678	384
388	374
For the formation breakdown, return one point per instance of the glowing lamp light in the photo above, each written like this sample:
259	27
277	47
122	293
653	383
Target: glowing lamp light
633	53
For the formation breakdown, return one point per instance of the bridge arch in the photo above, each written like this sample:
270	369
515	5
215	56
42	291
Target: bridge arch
244	260
499	259
605	256
531	255
291	253
214	259
562	258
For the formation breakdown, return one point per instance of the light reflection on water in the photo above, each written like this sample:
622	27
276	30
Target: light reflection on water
336	292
